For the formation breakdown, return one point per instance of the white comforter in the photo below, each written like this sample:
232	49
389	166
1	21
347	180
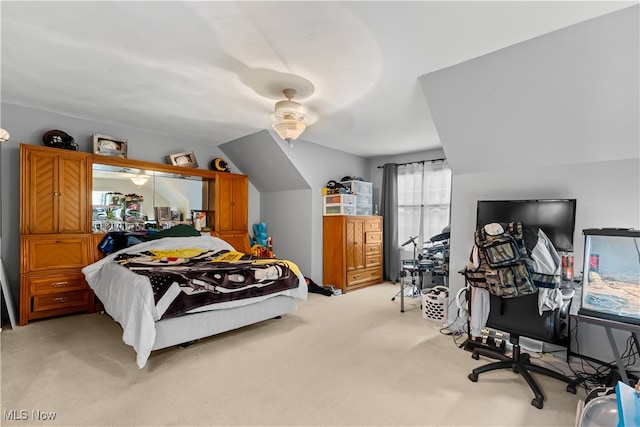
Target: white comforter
128	297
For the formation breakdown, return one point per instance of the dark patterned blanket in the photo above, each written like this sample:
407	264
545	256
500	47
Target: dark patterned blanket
186	279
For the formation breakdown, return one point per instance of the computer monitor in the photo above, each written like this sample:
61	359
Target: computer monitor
556	217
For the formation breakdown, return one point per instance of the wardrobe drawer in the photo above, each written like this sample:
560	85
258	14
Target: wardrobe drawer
61	300
373	237
56	283
360	276
42	254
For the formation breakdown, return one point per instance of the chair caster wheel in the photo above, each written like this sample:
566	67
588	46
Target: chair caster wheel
571	388
475	356
473	377
538	402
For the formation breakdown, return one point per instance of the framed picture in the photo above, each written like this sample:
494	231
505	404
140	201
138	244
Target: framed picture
109	146
186	159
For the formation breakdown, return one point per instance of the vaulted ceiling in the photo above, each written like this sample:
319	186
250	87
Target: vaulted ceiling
212	71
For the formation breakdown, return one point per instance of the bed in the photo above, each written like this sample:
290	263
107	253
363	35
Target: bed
175	290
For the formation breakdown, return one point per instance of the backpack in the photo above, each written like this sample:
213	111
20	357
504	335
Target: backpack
504	268
504	249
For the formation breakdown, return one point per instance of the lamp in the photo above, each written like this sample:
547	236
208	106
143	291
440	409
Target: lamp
289	122
140	180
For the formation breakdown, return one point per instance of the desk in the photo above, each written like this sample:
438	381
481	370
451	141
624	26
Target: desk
608	326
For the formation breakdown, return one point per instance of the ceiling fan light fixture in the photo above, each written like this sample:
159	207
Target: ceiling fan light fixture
289	128
140	180
289	117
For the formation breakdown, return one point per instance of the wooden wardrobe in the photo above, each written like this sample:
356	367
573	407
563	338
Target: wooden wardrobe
352	251
55	227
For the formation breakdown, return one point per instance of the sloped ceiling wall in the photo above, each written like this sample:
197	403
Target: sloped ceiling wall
570	96
261	156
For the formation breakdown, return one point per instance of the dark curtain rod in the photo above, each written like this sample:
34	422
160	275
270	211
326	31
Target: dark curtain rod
419	161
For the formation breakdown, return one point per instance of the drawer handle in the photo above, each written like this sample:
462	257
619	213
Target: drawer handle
356	277
59	284
61	299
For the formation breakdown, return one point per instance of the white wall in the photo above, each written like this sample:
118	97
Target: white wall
289	219
570	96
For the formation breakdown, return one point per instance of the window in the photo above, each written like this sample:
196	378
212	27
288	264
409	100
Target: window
424	200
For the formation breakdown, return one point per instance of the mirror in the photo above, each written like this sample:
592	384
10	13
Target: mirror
130	199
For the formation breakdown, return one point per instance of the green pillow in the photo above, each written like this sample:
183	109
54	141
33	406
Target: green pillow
180	230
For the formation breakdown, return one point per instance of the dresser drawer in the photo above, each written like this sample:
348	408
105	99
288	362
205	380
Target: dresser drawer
373	260
361	276
40	254
374	248
56	283
373	237
61	300
372	225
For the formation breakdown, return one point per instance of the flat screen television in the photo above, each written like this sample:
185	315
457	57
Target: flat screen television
556	217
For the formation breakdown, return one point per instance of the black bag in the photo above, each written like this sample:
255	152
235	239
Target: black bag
317	289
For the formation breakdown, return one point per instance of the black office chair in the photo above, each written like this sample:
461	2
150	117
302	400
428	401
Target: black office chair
520	317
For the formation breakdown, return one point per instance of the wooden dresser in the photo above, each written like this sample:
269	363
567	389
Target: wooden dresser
352	251
54	232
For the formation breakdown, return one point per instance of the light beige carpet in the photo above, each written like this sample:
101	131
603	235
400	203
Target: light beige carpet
349	360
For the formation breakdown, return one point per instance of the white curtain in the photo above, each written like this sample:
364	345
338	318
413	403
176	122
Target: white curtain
410	203
424	197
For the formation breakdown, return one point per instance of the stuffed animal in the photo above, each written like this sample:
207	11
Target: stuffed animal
260	233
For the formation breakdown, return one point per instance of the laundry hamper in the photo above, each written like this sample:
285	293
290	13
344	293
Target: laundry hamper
435	302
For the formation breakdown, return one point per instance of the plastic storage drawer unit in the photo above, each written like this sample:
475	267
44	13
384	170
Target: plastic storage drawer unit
344	199
358	187
339	210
